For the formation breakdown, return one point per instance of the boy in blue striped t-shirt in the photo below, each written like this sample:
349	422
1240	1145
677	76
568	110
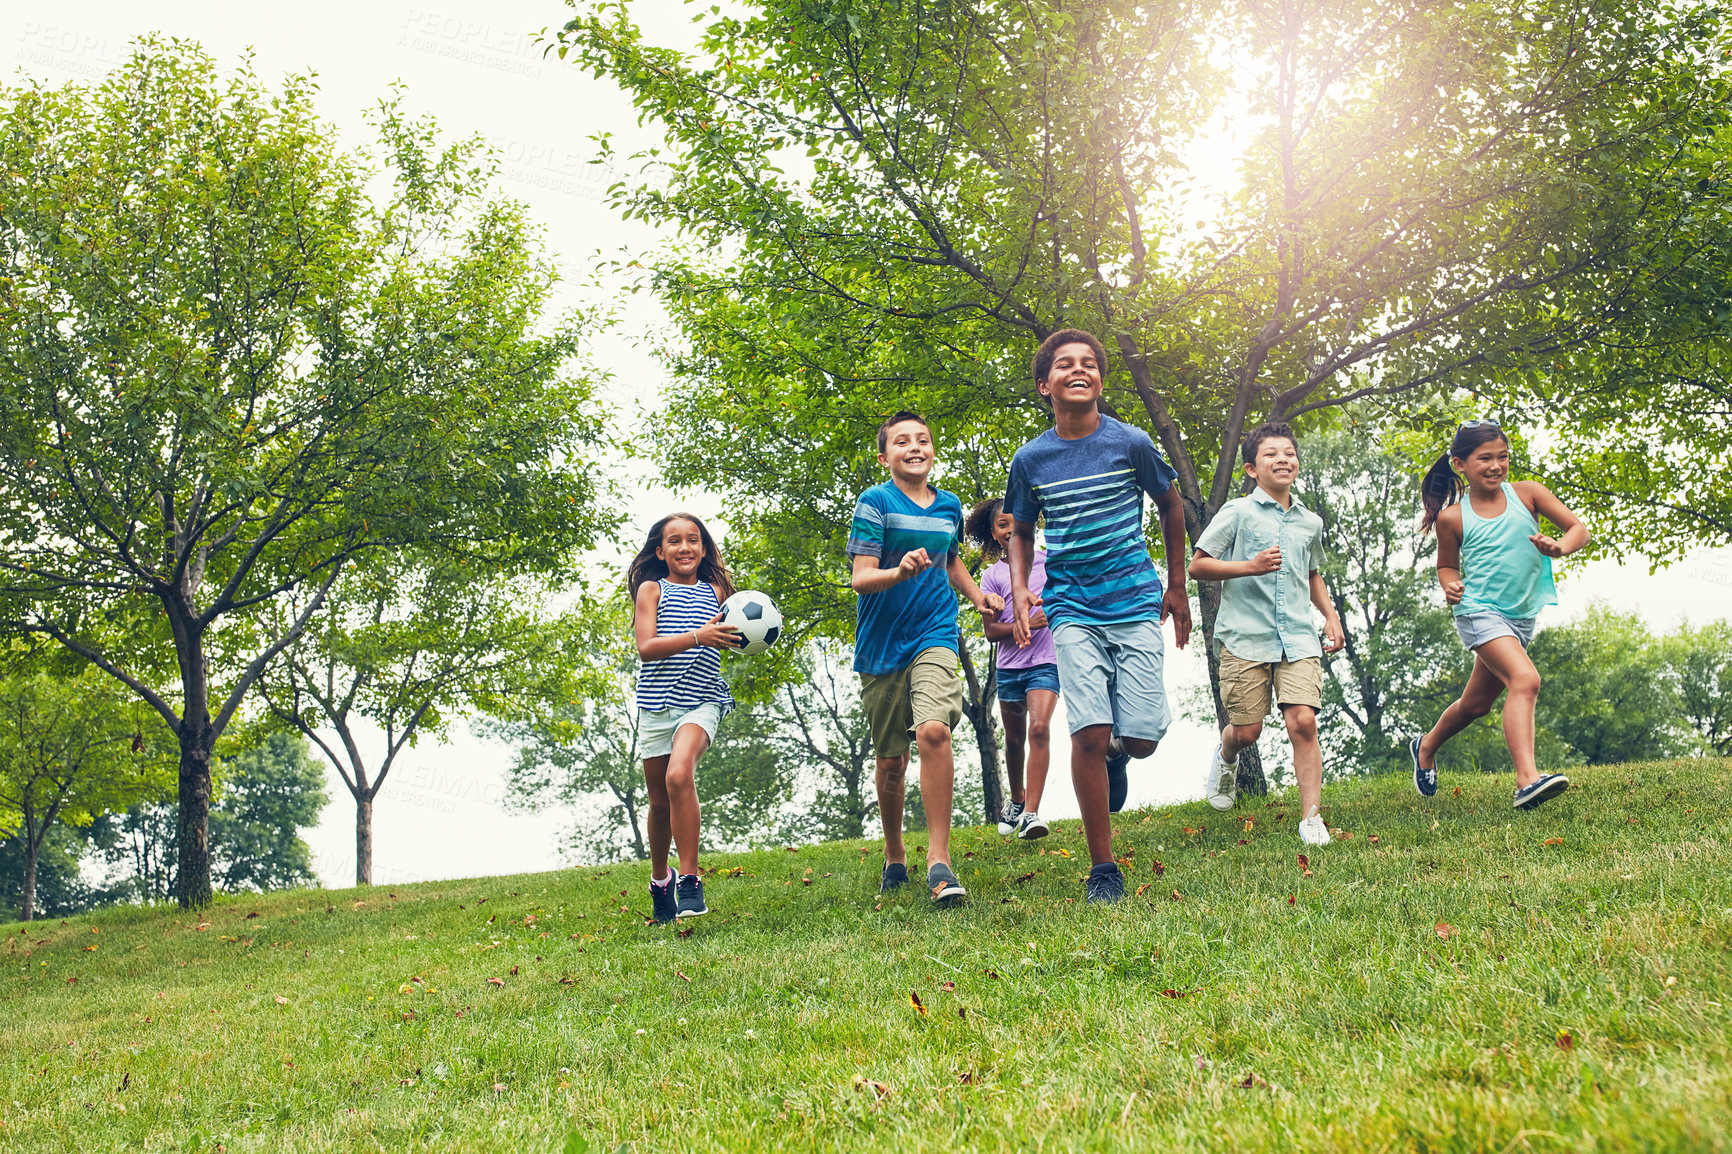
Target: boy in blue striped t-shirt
905	541
1103	598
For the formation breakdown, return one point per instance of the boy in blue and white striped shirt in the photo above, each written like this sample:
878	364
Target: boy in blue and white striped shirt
1103	598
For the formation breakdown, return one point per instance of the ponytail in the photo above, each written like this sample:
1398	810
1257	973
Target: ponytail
1441	487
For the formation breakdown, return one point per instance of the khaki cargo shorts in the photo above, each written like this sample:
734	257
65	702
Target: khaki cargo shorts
1245	686
899	703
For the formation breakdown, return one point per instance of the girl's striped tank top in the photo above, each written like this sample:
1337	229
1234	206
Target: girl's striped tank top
692	678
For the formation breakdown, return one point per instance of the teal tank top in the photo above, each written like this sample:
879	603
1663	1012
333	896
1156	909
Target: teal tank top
1499	565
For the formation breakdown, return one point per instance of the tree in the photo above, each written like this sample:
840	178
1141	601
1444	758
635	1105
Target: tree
1400	639
270	793
1605	690
230	374
1408	218
61	887
266	794
818	721
402	648
71	749
1699	659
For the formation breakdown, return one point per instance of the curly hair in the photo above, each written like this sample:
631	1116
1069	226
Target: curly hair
978	527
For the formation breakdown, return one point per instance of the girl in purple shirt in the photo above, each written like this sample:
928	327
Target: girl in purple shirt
1027	678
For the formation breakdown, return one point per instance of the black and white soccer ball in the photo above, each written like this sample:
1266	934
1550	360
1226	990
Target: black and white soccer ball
756	617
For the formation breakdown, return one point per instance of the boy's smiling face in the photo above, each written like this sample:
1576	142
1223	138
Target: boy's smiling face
1074	381
908	452
1276	466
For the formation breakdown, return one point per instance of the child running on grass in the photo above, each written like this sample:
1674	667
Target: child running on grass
1266	549
678	583
1027	678
1087	475
905	543
1495	565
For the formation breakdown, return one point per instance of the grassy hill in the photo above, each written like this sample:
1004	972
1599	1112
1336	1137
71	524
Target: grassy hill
1452	976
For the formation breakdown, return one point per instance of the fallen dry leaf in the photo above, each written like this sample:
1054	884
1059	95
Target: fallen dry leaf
1457	792
947	987
1027	877
280	1000
1372	839
990	973
514	971
1304	862
919	1006
879	1089
681	975
1159	869
1554	841
1446	931
1176	896
1143	889
496	981
1566	1041
965	1078
1250	1081
1292	900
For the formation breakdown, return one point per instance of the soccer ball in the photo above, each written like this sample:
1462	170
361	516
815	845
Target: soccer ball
756	617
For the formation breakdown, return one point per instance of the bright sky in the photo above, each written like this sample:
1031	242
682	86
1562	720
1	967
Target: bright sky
476	68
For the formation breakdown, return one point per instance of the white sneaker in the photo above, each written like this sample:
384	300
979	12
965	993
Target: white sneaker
1222	785
1312	831
1008	819
1030	826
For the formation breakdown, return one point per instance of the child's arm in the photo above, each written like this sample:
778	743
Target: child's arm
1022	600
1175	603
653	648
997	630
1543	503
962	581
1207	568
1334	637
1449	554
867	577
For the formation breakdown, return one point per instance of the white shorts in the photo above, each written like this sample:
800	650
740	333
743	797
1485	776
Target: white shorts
656	727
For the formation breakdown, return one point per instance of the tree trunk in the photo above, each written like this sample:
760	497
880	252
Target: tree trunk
27	891
979	709
192	817
364	838
637	843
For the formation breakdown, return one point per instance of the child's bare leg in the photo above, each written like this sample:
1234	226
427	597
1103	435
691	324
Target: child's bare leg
1015	731
892	782
1235	738
937	788
1088	776
1041	703
1307	756
659	828
1510	663
690	741
1477	697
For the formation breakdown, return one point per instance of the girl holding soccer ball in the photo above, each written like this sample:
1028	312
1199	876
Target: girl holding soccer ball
678	583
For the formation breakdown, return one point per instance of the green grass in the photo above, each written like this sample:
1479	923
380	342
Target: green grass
1455	984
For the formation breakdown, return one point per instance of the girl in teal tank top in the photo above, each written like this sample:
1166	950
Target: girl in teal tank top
1494	563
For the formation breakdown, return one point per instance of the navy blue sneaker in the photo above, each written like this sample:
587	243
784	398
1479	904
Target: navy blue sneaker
1105	883
1424	780
691	888
664	903
1543	790
895	877
941	880
1118	781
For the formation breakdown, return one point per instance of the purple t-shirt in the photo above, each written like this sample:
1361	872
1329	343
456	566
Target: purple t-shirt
1040	649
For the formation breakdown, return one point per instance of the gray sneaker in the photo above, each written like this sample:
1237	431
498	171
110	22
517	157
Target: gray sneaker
941	880
895	877
1030	826
691	891
1221	786
1105	882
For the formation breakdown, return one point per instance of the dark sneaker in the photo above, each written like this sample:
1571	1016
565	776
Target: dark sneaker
1007	820
1118	780
941	880
1105	882
1542	790
1031	826
1424	780
691	896
664	903
895	877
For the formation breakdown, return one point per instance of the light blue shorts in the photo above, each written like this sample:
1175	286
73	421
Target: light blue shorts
1014	684
1113	675
1476	628
656	727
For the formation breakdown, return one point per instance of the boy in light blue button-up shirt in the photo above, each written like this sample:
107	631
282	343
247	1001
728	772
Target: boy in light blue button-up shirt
1267	551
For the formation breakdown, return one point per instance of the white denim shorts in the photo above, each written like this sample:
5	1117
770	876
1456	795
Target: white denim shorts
656	727
1475	629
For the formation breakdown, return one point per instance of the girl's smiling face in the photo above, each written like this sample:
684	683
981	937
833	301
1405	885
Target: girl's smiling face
1002	526
1486	466
682	549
